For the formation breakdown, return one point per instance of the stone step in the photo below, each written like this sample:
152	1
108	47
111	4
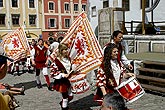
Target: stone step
154	63
151	70
153	88
152	79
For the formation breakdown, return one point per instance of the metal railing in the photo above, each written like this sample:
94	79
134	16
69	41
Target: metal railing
134	27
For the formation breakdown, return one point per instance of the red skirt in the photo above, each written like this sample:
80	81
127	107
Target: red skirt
61	85
40	65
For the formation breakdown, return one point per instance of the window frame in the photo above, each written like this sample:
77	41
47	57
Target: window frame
1	3
2	21
93	9
49	23
52	5
32	21
126	5
105	3
66	8
16	19
75	8
12	3
84	7
31	4
67	25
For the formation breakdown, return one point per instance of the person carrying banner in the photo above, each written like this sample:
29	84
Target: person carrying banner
111	73
61	69
39	60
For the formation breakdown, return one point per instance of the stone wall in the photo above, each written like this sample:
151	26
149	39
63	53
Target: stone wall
140	43
145	43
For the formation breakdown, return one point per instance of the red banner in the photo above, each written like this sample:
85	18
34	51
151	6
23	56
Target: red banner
85	51
16	45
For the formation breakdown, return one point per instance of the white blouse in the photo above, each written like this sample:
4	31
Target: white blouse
116	70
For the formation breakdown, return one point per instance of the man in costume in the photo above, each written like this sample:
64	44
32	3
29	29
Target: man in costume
116	39
39	60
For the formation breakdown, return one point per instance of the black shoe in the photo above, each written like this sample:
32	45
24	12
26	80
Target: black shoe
50	88
39	86
23	90
65	108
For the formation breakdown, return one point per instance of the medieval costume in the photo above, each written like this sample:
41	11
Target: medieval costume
60	70
110	73
39	60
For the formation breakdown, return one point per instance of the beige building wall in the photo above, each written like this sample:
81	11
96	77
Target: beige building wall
24	11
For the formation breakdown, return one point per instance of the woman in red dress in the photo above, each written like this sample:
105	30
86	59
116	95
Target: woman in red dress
61	69
110	73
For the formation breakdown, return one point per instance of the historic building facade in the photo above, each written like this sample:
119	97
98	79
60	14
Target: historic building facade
58	16
40	18
16	13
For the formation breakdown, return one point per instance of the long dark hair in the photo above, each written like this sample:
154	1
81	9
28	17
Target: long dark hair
106	60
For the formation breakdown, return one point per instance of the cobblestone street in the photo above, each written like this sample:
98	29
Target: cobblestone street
42	99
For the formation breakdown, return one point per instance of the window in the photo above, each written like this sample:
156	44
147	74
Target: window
84	7
94	11
31	4
105	3
2	19
15	19
32	19
67	23
52	22
125	5
147	4
75	7
51	6
1	3
66	7
14	3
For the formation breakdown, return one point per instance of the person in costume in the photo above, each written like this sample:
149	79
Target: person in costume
39	60
61	69
28	62
117	39
111	73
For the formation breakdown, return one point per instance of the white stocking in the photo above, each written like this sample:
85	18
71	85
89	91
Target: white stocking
64	103
38	80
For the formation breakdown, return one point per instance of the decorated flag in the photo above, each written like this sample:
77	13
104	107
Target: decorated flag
85	51
15	44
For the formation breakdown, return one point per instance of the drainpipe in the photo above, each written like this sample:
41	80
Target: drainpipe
143	16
